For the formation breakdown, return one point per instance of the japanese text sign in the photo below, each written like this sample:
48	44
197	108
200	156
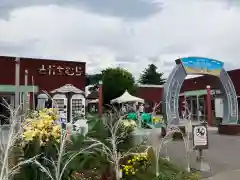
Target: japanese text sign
57	70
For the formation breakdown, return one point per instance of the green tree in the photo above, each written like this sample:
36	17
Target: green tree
151	76
93	79
115	82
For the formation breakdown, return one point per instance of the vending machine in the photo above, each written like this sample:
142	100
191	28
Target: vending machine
60	102
77	106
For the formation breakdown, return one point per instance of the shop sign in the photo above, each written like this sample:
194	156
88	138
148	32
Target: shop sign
57	70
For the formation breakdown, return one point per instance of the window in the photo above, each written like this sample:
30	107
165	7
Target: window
60	104
77	106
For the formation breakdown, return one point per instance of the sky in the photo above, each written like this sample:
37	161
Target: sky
127	33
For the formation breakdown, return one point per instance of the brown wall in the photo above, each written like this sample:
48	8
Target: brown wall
154	94
235	76
151	94
44	81
199	83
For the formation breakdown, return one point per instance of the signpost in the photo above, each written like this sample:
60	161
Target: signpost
200	142
200	137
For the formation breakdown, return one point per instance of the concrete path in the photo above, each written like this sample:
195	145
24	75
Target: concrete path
223	154
228	175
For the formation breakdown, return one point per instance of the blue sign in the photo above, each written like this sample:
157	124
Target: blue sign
200	65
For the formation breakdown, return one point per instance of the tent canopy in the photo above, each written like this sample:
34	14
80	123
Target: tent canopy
126	97
67	88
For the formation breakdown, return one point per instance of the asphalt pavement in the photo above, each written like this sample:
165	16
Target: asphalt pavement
222	156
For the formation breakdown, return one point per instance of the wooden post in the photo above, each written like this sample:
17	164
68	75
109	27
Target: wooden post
69	107
33	95
209	106
17	82
25	91
17	94
198	109
100	99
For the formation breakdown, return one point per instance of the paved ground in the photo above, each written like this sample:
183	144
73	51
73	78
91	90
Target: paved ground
228	175
223	154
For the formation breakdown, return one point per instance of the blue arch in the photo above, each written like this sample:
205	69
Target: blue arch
199	65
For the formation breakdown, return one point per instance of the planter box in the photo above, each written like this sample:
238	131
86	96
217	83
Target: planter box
140	135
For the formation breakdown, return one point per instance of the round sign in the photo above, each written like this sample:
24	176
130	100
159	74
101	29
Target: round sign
200	131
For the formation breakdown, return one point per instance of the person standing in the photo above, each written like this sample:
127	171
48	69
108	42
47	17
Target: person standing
134	107
141	108
124	110
200	114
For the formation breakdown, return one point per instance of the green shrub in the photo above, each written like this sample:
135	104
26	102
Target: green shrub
168	171
176	176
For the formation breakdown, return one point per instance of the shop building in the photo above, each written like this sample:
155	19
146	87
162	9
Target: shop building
43	75
194	92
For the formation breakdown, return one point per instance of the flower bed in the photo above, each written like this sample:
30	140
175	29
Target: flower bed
46	151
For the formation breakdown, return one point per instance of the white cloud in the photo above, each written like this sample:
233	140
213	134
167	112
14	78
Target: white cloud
192	28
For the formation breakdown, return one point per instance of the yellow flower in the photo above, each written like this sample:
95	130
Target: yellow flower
29	135
41	125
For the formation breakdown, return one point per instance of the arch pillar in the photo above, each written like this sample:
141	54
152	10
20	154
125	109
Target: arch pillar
192	66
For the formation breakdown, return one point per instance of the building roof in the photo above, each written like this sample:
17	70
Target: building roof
68	88
93	95
154	92
38	58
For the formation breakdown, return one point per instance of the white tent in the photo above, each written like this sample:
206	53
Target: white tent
126	97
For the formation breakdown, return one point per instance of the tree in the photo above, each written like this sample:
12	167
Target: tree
93	79
151	76
115	82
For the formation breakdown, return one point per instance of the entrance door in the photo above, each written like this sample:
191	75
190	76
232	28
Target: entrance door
192	107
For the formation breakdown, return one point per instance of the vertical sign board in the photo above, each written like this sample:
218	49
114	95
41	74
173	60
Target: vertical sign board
200	136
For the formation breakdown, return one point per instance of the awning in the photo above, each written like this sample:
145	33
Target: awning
126	97
200	92
68	88
12	88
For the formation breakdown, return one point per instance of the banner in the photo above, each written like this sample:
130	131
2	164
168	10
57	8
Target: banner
199	65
